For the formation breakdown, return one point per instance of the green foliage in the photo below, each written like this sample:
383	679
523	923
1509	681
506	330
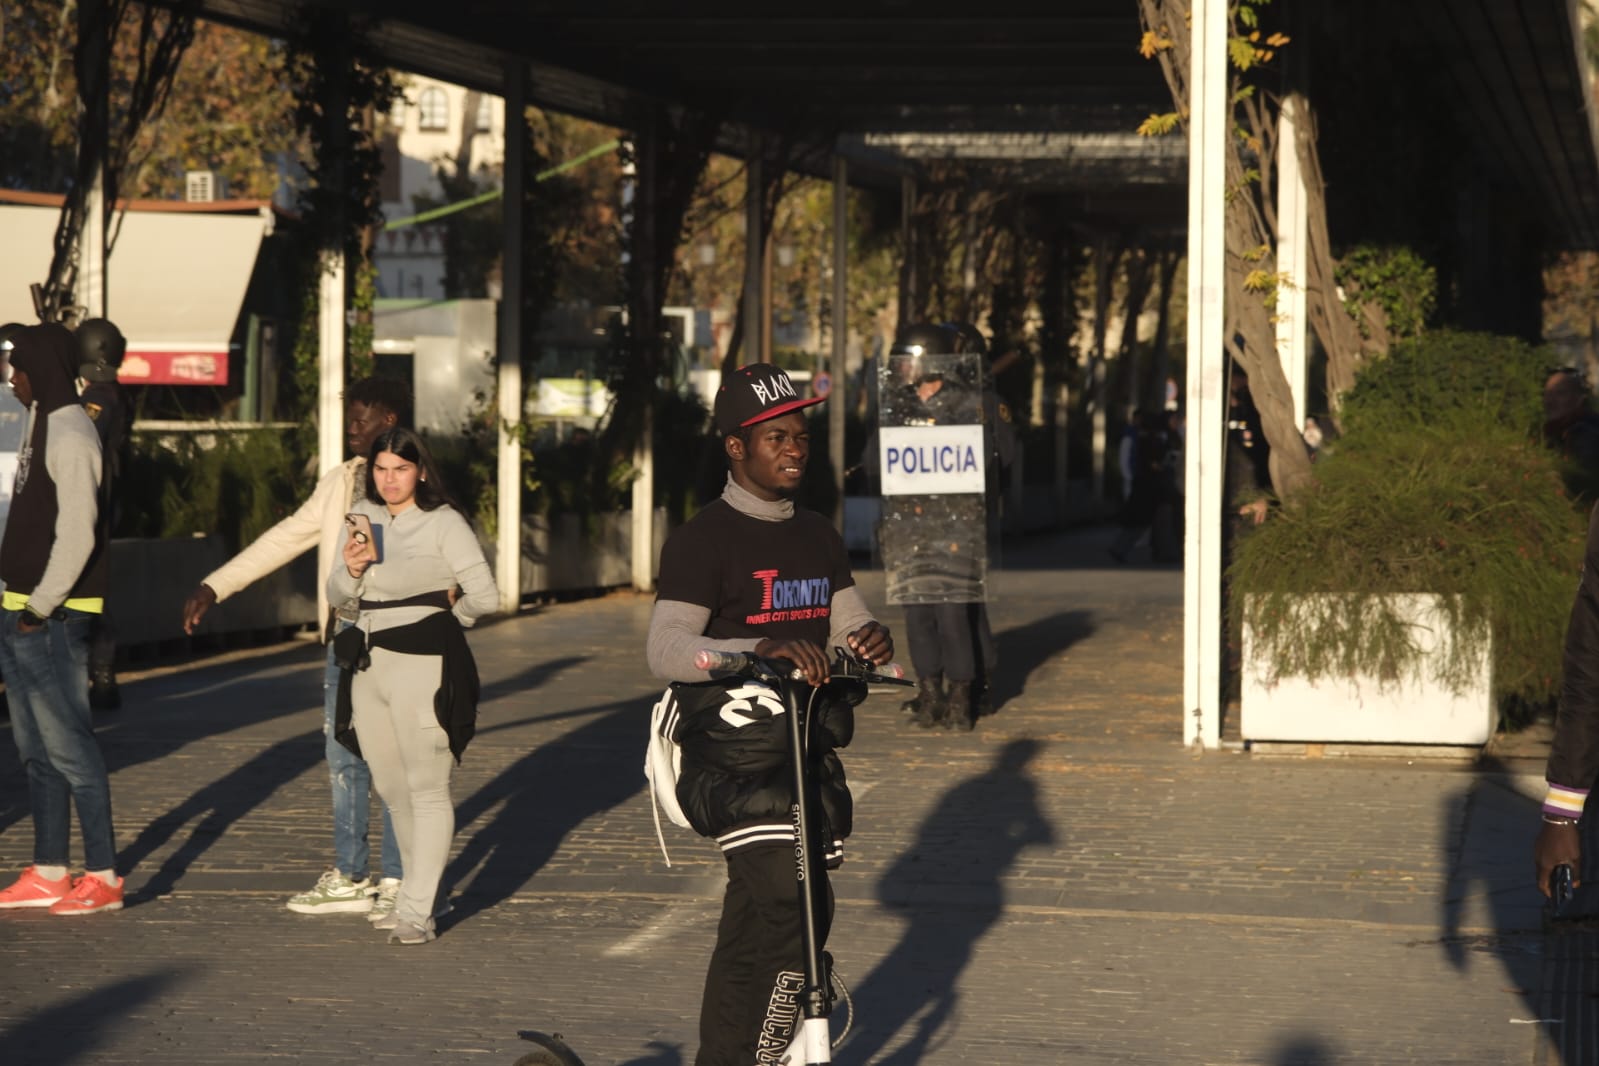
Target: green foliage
362	330
1464	380
469	462
301	403
1159	125
1441	487
567	469
238	484
339	84
1396	279
227	111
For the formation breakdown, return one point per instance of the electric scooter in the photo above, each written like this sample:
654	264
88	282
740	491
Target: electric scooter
811	1043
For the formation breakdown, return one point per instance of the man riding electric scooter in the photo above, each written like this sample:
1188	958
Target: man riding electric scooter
752	573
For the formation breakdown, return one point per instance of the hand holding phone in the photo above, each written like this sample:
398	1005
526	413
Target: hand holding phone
361	547
1560	891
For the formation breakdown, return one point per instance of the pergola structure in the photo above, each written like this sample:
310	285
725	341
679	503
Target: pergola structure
1054	89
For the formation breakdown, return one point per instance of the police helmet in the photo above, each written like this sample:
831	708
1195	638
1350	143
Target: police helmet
7	333
100	349
914	344
968	339
923	338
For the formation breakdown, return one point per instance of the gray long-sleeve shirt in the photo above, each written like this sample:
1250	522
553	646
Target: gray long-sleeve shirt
420	551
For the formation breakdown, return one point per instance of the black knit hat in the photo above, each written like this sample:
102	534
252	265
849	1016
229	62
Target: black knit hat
754	394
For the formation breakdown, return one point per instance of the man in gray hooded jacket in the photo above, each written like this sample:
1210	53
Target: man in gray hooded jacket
53	566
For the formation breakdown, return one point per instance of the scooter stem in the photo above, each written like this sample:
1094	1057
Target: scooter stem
814	999
812	1045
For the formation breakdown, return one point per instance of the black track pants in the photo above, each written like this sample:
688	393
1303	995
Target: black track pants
758	966
947	639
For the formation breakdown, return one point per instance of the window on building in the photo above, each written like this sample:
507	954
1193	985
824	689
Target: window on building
433	110
486	106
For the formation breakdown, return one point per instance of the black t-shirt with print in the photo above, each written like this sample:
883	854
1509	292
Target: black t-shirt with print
757	578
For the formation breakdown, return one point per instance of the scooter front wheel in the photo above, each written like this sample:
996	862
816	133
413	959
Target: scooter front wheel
540	1058
551	1051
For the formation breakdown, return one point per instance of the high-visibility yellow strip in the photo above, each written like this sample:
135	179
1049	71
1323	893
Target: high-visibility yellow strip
16	601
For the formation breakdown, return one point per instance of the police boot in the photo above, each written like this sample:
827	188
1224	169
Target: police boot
959	717
929	701
982	700
103	692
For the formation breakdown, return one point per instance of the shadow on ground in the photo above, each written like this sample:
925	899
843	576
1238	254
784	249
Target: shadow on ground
162	715
540	799
912	996
75	1030
1023	649
1551	965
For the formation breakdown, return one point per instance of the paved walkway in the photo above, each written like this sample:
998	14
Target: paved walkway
1066	885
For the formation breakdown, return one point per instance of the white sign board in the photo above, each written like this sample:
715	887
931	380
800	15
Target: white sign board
569	398
931	460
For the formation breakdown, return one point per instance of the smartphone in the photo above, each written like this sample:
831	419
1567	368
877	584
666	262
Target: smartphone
362	533
1560	891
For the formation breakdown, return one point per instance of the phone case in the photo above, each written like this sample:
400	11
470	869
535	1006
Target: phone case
365	533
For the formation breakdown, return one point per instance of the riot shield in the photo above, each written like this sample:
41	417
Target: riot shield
934	464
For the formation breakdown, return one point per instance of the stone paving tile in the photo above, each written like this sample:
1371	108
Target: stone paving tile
1066	884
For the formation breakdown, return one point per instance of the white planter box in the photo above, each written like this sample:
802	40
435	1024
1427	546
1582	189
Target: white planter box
1361	709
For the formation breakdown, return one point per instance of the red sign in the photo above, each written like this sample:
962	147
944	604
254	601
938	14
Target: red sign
174	368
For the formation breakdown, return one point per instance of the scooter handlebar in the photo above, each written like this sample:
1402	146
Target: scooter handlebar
722	662
747	664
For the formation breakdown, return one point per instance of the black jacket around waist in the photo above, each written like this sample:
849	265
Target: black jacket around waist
737	784
440	633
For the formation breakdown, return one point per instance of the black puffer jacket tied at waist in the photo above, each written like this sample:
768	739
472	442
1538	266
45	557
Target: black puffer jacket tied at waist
455	702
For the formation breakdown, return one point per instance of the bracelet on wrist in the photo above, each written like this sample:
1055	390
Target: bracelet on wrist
1554	819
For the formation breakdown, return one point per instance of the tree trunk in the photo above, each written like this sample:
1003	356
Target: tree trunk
1337	331
680	146
1250	335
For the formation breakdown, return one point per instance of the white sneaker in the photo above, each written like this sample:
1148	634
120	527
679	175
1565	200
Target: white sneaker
334	894
383	904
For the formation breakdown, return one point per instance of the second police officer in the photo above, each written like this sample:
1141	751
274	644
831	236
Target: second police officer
100	350
934	545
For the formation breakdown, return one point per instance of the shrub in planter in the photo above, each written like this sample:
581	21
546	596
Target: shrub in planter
238	484
1439	485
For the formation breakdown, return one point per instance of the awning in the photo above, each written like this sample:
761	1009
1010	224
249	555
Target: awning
177	279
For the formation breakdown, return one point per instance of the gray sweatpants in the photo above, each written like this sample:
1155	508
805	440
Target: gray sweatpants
409	755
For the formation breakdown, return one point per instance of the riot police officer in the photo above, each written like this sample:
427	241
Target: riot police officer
1000	442
934	541
101	347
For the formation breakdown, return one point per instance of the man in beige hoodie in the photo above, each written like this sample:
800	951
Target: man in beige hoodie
372	406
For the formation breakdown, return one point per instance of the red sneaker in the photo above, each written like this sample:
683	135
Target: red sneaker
31	890
90	894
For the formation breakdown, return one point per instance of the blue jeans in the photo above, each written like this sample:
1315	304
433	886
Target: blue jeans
47	687
352	787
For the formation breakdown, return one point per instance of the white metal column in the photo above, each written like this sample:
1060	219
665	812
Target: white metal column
1292	241
1204	450
508	360
645	304
91	287
330	362
95	30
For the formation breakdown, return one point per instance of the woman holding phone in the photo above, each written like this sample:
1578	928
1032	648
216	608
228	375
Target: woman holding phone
408	686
